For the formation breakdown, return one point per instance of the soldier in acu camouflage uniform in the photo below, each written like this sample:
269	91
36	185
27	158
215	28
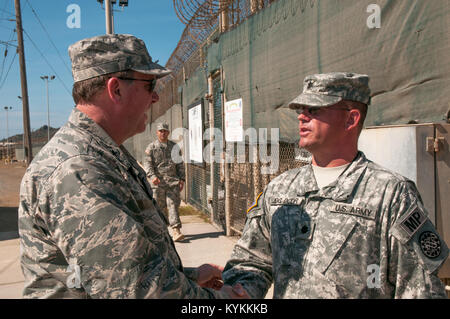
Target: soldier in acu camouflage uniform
341	227
166	177
88	223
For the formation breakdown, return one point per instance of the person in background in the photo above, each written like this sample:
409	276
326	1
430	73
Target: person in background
166	177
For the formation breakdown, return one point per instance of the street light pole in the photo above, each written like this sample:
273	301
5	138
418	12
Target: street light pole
23	135
109	13
109	17
46	78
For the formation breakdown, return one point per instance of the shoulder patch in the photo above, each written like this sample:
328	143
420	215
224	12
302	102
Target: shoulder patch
430	244
415	230
255	204
412	221
430	247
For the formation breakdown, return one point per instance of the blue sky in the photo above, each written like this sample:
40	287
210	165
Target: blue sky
154	21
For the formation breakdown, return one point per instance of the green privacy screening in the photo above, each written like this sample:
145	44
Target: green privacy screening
265	59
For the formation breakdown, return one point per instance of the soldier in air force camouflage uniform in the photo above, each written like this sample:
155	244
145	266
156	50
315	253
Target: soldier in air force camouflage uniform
343	226
166	177
88	224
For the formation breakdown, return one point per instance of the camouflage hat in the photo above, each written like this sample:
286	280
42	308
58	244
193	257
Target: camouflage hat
112	53
320	90
162	126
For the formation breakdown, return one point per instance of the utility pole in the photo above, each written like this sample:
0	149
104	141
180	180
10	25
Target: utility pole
23	78
46	78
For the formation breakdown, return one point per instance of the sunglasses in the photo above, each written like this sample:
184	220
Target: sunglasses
314	110
152	82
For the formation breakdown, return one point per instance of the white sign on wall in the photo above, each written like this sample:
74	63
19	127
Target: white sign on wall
234	130
195	134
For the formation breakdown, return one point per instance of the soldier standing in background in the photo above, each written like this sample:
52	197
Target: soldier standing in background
165	176
343	226
88	224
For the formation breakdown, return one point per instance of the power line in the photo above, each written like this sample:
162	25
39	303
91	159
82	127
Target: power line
3	10
48	36
11	37
48	63
7	43
6	75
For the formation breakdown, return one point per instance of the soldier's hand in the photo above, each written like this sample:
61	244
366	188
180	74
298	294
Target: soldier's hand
156	181
181	185
210	276
235	292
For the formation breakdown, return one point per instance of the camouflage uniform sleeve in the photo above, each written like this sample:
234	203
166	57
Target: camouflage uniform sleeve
94	222
416	249
149	163
250	263
180	166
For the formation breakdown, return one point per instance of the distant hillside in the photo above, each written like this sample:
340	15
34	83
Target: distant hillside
38	137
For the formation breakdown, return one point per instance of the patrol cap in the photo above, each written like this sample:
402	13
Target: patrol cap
112	53
162	126
320	90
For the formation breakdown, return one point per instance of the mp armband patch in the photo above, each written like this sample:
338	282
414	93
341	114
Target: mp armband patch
416	231
407	225
412	221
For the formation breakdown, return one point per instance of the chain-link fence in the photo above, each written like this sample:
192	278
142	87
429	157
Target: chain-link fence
248	178
7	152
246	181
198	181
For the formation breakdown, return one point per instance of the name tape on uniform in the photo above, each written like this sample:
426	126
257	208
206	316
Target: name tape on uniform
285	201
353	210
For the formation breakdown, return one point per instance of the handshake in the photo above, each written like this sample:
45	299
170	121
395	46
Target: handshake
210	276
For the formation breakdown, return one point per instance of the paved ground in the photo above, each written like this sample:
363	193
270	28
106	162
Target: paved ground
203	244
10	177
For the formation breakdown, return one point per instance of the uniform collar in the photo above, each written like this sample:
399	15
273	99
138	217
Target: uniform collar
158	142
84	122
342	188
81	120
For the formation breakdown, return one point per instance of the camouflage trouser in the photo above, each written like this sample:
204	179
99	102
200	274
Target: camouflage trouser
169	198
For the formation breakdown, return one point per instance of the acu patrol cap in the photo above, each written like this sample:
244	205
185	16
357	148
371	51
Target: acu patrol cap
112	53
321	90
162	126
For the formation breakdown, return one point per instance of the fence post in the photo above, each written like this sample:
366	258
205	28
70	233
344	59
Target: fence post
229	231
211	150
